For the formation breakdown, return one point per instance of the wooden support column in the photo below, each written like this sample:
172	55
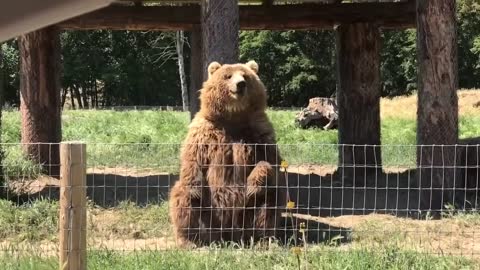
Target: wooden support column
220	30
196	69
73	207
358	97
2	94
437	101
40	97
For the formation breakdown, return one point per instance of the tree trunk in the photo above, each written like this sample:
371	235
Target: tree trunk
437	101
84	94
40	97
72	98
220	27
359	89
78	96
179	41
64	96
2	89
96	93
196	72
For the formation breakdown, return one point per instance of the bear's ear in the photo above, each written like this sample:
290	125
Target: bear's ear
214	66
253	66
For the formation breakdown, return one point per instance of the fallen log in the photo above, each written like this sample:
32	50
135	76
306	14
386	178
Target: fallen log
320	112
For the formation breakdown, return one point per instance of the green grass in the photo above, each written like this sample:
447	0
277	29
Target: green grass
469	126
152	139
33	221
38	221
129	220
377	244
319	258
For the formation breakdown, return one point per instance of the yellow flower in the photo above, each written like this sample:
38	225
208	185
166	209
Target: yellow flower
302	227
290	205
284	164
296	250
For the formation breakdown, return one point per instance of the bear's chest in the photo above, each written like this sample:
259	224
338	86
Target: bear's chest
234	156
239	134
243	146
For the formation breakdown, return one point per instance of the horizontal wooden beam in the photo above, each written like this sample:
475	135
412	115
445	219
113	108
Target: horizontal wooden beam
276	17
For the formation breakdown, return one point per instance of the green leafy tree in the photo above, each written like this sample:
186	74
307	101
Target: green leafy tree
468	17
11	81
293	68
115	68
120	68
398	62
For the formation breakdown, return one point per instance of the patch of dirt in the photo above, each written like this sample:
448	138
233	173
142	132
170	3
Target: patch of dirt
50	248
305	169
324	170
126	171
448	236
132	244
31	186
107	229
313	188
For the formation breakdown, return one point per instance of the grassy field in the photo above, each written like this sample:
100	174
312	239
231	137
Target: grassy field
151	139
320	258
129	237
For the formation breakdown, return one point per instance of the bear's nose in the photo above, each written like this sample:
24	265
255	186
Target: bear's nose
241	86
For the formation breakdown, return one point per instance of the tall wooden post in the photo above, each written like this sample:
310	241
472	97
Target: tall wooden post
437	100
73	203
2	95
220	29
196	69
40	97
358	97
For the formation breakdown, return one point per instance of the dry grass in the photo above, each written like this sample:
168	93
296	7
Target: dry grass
116	230
453	235
450	236
406	106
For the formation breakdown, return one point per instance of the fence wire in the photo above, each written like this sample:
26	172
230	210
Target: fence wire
308	198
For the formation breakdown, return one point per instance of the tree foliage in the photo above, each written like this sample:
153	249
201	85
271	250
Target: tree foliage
399	62
130	68
11	79
111	68
295	65
468	16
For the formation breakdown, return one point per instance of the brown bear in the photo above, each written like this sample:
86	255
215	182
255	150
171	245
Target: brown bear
230	187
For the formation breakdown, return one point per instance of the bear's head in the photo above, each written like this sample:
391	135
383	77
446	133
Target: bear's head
232	89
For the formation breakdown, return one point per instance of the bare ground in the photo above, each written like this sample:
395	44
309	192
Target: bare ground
449	236
317	199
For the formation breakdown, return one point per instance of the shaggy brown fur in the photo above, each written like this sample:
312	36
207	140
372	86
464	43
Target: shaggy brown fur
230	188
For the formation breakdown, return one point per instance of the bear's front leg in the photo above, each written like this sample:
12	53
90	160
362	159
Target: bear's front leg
189	215
185	218
257	179
266	190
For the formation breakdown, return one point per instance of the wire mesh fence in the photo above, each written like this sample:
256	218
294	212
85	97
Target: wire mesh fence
143	197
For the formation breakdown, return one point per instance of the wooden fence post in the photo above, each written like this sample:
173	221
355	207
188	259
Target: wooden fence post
73	211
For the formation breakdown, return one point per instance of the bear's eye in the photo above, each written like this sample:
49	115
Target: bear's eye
228	77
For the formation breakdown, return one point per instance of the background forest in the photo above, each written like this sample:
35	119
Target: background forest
122	68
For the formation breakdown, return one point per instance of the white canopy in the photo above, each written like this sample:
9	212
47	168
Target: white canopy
18	17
